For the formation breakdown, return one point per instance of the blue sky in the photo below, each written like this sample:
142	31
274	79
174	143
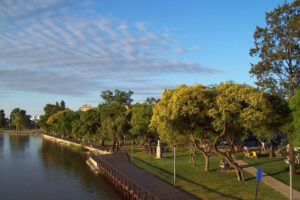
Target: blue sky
72	50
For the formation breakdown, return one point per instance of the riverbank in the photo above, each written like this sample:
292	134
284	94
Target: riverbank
69	143
20	133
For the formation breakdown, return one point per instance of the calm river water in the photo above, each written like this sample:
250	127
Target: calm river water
32	168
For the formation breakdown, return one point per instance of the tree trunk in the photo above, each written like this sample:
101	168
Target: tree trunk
206	162
271	153
101	143
149	147
239	172
228	157
205	154
292	158
192	153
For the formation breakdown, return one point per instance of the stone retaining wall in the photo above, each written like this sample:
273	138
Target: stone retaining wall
66	142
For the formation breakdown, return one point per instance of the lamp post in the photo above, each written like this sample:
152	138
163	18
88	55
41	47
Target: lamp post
291	181
175	166
289	162
131	149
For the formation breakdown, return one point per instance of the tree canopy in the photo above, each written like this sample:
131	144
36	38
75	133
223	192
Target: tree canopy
2	118
295	107
277	46
19	119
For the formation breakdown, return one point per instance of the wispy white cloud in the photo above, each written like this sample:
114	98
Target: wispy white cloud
51	50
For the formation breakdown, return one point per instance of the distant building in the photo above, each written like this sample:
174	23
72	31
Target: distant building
85	108
35	118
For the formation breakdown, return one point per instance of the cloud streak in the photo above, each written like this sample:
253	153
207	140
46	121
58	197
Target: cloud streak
49	50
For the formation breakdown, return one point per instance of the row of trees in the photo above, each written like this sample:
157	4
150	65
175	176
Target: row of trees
205	116
194	116
113	119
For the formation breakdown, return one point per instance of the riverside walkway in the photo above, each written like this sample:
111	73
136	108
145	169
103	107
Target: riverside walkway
272	182
154	185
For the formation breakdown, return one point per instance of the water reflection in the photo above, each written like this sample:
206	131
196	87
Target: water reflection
56	156
39	169
18	142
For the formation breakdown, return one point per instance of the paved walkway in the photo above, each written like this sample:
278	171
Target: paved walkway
272	182
156	186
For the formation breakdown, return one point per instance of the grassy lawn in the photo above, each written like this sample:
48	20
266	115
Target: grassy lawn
205	185
275	167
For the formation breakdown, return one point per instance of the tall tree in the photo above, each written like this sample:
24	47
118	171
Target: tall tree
2	119
278	113
114	122
184	111
117	96
236	110
277	46
140	119
114	116
19	119
62	104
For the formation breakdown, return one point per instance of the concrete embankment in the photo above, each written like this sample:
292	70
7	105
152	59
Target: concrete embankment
66	142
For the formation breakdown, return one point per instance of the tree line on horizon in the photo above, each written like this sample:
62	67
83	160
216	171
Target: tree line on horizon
199	116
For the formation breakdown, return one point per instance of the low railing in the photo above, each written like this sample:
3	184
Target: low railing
123	185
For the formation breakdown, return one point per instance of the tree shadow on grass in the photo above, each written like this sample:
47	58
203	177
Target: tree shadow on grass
187	180
272	174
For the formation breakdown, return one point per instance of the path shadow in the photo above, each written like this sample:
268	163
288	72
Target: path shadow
188	180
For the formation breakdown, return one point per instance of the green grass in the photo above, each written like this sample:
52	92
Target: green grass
275	167
78	148
204	185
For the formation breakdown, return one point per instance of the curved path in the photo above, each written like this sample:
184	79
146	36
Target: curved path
272	182
156	186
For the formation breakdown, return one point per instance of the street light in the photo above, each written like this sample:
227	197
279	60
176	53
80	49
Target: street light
288	161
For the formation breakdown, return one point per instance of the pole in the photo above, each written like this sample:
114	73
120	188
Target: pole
175	166
256	190
131	148
124	143
291	181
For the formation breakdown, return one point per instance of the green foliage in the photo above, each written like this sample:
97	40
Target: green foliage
2	119
88	125
295	107
182	112
49	110
117	96
64	122
277	116
141	115
238	107
113	113
19	119
78	148
114	119
277	46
